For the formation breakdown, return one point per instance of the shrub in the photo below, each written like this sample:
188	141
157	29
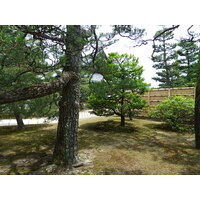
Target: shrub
177	112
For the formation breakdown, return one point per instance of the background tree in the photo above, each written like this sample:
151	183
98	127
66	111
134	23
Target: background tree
118	92
35	108
41	107
188	58
193	38
84	88
165	59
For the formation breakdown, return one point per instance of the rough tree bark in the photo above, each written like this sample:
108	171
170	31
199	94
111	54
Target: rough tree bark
197	116
36	91
65	152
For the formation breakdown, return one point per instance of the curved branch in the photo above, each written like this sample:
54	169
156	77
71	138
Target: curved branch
190	34
162	32
35	91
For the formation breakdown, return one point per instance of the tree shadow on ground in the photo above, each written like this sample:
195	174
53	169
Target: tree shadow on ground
24	151
104	133
178	148
168	146
9	130
160	126
28	150
110	126
164	127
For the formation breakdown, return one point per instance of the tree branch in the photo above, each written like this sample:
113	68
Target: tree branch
39	35
35	91
162	32
97	44
115	112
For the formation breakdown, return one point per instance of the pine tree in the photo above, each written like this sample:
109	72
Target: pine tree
118	92
17	57
165	59
66	45
188	58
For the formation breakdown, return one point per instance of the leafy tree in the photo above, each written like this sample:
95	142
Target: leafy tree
165	59
176	112
118	92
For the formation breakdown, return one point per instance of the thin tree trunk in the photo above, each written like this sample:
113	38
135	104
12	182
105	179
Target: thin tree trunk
122	109
19	120
122	120
197	117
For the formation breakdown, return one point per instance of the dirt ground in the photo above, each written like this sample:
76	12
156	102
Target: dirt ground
142	147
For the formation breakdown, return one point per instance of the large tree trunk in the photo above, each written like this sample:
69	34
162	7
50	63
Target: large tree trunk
65	152
197	117
19	120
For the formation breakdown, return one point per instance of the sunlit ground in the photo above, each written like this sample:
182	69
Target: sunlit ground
141	147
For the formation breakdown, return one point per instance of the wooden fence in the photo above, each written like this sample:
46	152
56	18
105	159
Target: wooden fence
156	96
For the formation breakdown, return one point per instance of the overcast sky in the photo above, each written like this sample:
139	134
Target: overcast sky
144	52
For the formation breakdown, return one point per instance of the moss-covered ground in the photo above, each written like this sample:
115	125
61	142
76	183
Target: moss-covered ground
141	147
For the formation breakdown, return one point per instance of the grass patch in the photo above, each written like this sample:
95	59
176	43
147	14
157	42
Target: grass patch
22	151
141	147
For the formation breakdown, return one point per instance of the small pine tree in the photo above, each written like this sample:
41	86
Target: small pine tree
118	92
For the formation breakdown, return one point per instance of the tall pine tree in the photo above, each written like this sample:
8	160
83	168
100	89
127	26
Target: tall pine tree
188	58
165	59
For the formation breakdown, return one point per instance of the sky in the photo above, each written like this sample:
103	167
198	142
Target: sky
144	52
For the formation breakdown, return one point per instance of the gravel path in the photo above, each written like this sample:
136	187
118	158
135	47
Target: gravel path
11	122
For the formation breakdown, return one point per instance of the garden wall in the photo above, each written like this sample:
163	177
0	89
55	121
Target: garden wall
156	96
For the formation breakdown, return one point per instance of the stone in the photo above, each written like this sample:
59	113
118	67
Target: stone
51	168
